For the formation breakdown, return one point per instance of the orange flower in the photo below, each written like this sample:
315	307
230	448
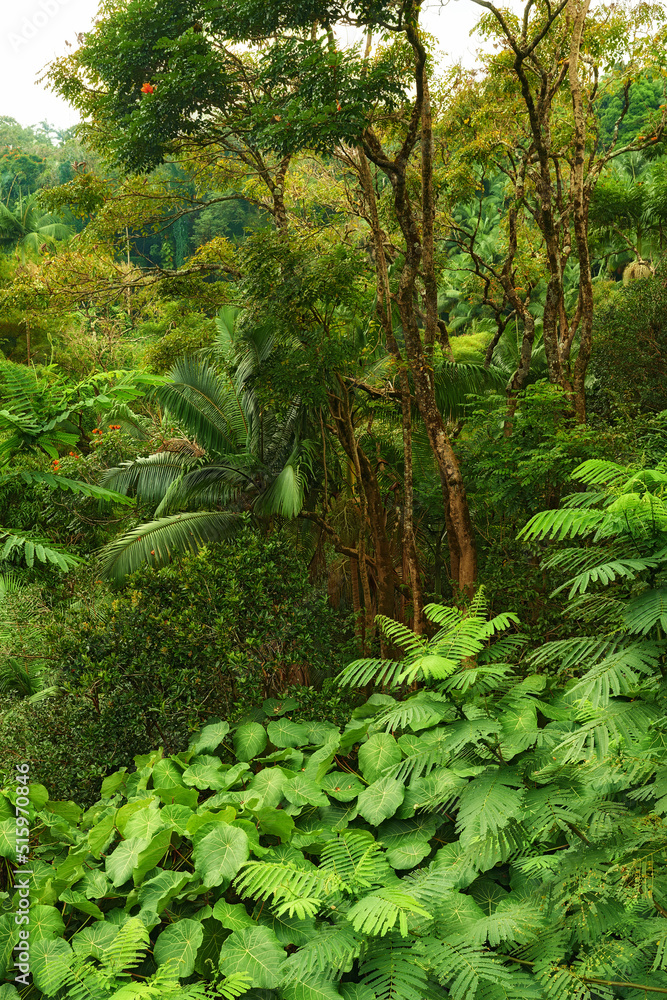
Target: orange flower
147	89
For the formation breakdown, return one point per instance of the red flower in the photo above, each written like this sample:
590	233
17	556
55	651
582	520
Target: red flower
147	89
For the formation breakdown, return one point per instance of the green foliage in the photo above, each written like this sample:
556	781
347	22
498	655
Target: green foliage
492	836
216	632
615	575
630	343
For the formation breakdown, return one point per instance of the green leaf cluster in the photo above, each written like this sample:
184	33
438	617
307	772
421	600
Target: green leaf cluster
491	835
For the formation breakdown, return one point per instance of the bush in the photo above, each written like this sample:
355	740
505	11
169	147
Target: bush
214	633
414	855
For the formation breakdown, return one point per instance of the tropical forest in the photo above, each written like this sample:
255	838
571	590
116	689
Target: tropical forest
333	507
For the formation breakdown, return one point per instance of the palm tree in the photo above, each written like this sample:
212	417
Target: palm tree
238	456
27	227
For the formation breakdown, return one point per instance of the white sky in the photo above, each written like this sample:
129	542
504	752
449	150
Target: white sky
33	32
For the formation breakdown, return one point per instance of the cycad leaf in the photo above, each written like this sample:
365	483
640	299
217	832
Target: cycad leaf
157	542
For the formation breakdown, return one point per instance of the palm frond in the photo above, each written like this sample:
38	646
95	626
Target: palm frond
207	404
158	542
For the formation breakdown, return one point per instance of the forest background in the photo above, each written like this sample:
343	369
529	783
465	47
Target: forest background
316	353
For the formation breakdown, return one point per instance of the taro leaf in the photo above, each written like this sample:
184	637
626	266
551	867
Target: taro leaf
95	939
151	854
177	945
275	822
70	812
301	790
50	960
255	951
272	706
45	922
159	891
8	937
209	951
198	821
381	800
249	740
112	783
459	913
177	794
379	752
410	853
144	823
341	786
79	902
310	988
94	884
210	737
38	795
167	774
124	859
8	839
268	786
205	776
176	817
126	812
101	835
220	854
320	733
9	992
285	733
233	916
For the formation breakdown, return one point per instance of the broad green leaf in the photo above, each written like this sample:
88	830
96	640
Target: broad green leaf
249	740
268	786
9	992
210	737
112	783
233	916
175	794
275	822
70	812
209	951
8	839
94	940
144	823
381	800
176	817
301	791
356	991
285	733
126	812
220	854
342	786
45	922
205	776
151	854
156	893
101	835
409	854
198	821
80	902
8	938
255	951
379	752
177	945
49	964
272	706
124	859
167	774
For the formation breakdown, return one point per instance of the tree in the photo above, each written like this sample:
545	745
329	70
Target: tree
258	108
536	118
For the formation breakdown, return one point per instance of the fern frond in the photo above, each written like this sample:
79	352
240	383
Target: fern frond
391	971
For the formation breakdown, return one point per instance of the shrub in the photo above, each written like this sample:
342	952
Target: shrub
489	836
